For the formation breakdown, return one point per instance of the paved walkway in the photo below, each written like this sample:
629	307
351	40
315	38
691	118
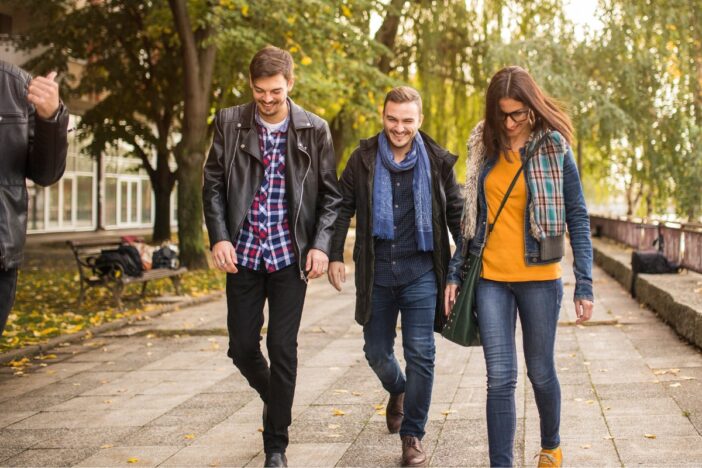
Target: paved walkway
163	392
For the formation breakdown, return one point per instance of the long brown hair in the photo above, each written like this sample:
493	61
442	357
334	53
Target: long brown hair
516	83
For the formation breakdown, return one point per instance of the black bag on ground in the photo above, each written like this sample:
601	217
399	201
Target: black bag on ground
124	258
651	262
165	257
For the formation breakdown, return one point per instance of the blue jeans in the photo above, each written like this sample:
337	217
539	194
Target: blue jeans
417	301
538	304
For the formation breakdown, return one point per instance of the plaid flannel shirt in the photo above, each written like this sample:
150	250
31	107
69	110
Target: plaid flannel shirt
265	234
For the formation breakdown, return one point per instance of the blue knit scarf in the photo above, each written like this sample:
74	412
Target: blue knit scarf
418	159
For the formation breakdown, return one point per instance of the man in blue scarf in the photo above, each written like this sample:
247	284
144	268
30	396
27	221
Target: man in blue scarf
401	187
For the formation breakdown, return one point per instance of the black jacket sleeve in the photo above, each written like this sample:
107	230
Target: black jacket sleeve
328	196
48	147
347	209
214	190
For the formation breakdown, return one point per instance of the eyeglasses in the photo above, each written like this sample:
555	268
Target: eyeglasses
517	116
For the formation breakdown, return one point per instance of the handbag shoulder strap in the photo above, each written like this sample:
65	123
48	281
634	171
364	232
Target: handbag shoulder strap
514	180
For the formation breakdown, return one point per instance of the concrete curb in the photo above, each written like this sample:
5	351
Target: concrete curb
671	297
105	327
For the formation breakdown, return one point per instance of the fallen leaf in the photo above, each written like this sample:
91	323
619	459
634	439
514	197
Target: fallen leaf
132	460
447	412
380	412
650	436
338	412
189	436
378	407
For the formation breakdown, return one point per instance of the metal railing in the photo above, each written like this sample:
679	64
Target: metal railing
682	243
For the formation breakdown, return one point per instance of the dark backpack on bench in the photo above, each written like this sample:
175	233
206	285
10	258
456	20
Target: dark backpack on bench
125	258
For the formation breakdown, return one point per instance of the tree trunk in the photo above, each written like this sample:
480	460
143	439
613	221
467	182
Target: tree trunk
162	181
198	69
190	215
162	218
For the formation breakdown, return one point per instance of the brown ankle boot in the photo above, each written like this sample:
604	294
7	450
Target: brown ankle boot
394	412
412	452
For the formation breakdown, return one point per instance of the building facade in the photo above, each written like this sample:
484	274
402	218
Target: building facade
111	192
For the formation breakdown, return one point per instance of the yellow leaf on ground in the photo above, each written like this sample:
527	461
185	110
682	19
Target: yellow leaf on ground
378	407
338	412
189	436
132	460
447	412
380	412
650	436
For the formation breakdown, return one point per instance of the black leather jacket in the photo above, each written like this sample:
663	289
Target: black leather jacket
357	188
234	172
30	147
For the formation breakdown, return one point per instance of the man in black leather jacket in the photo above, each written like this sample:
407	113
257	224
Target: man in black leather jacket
33	145
270	199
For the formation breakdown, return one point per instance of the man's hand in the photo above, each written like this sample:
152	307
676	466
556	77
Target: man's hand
583	310
224	256
43	92
337	274
317	262
450	294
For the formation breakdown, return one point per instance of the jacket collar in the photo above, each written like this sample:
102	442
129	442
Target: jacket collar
299	118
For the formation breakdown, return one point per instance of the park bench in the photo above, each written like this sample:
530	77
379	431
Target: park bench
86	253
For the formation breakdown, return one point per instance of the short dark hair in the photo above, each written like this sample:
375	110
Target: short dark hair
403	94
271	61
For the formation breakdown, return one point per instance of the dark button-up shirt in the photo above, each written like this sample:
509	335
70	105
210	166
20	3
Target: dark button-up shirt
397	261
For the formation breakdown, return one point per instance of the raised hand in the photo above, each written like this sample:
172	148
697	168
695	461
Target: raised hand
43	92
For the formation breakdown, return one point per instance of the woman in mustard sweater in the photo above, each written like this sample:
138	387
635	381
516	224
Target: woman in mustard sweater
521	271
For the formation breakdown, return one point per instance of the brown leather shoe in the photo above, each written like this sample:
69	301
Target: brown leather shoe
394	412
412	452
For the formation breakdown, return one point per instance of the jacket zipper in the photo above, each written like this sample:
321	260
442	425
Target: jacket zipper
303	277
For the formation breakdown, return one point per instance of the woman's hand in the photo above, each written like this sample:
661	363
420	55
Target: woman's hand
450	294
583	310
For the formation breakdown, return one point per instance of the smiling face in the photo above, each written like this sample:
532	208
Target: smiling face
401	122
270	94
516	118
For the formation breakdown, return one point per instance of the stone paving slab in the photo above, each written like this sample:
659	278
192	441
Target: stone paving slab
162	392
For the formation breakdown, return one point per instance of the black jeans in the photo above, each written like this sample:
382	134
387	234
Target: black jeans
8	287
247	292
